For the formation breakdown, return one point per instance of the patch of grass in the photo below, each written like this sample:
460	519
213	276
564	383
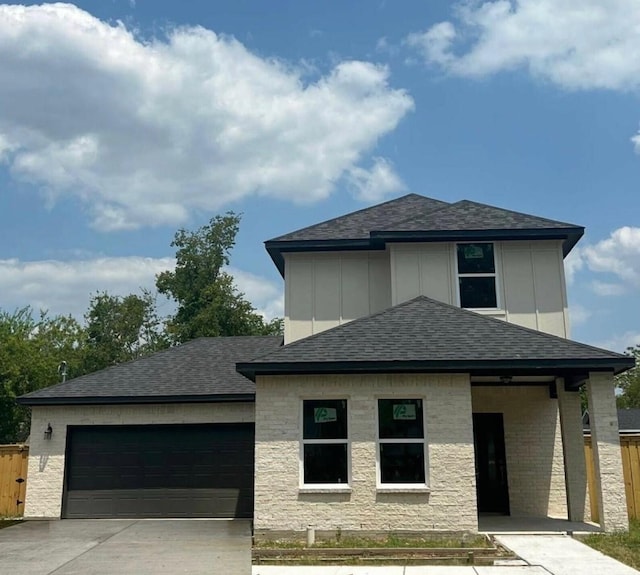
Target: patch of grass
351	561
624	547
391	541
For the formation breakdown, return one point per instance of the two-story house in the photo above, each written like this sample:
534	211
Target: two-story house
426	376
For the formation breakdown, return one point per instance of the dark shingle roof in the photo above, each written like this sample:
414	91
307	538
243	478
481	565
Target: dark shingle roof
417	218
426	335
357	225
467	215
200	370
628	420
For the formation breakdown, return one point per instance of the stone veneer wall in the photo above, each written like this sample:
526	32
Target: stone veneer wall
47	457
533	443
280	503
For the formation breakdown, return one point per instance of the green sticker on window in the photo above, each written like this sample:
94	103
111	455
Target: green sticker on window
472	252
404	411
325	414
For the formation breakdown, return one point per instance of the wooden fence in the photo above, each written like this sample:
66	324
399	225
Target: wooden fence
630	448
13	476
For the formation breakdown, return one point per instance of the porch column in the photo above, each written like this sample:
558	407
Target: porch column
605	441
575	468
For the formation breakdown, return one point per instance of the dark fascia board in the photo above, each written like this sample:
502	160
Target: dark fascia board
277	248
142	399
379	239
570	235
489	367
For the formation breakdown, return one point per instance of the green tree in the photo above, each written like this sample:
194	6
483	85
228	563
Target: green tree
208	302
121	328
628	383
31	350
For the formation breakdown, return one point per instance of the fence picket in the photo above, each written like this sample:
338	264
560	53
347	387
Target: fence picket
13	465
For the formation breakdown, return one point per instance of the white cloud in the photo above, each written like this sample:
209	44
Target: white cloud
266	296
620	342
573	263
143	131
435	43
576	44
65	287
374	184
636	142
607	288
579	314
619	255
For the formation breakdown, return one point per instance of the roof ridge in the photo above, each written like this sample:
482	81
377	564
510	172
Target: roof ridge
431	212
351	214
472	202
518	326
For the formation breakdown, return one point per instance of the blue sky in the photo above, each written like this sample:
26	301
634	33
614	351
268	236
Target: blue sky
122	121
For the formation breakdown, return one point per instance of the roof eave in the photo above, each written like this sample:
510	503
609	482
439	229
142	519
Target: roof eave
142	399
474	367
276	248
570	235
378	239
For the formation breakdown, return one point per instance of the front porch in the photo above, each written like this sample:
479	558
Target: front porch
499	524
531	472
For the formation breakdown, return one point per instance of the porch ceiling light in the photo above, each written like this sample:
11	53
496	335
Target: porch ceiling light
506	379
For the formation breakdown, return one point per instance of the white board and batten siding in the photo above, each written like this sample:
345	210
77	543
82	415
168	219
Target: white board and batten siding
323	290
529	275
327	289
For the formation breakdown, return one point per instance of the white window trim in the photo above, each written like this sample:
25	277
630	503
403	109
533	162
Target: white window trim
402	487
324	487
497	265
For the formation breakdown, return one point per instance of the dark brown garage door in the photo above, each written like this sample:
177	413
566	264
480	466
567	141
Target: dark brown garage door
159	471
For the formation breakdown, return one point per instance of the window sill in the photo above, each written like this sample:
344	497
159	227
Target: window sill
403	489
327	489
498	312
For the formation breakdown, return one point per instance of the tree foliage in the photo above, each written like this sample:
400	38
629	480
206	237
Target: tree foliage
121	328
208	302
628	383
31	349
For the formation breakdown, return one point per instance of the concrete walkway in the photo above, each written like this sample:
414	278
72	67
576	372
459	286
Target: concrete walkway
562	555
542	555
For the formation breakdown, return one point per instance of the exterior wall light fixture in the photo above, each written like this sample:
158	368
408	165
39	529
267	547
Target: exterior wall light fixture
48	432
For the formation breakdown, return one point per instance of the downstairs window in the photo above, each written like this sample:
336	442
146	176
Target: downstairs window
401	444
325	442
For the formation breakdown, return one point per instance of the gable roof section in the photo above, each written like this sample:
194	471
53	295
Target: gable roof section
424	335
415	218
200	370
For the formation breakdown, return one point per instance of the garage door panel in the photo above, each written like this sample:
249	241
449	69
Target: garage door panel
174	503
160	471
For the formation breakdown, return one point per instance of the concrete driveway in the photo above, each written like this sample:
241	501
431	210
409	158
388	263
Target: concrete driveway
141	547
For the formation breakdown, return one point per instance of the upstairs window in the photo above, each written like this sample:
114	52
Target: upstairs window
401	442
325	442
477	275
